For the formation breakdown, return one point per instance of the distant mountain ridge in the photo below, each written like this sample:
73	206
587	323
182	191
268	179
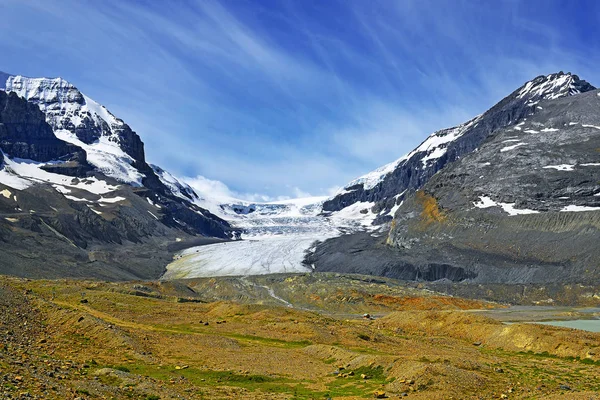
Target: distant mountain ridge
79	199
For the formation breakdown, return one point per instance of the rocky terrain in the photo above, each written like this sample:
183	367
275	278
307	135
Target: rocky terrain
190	339
537	219
522	206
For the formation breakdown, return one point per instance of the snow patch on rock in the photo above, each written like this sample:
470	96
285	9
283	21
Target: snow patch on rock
509	208
21	174
561	167
574	208
514	146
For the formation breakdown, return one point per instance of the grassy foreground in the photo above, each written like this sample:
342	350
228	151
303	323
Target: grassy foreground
93	340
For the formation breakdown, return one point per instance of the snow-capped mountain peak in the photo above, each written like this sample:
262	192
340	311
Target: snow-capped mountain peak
110	144
60	144
552	86
61	99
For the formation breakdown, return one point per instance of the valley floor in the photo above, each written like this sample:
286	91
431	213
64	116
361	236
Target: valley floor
285	337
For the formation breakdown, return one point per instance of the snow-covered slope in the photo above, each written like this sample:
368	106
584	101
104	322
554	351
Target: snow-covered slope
21	174
434	147
79	120
175	185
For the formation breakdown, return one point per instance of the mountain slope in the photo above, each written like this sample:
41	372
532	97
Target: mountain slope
523	207
74	179
386	185
111	146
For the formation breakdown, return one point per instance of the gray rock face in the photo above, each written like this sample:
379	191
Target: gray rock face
364	254
24	133
386	186
65	238
523	207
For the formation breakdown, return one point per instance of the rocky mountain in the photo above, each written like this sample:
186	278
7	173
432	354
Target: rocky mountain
383	189
514	197
24	133
74	179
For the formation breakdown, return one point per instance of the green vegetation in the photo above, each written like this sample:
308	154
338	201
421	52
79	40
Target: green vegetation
269	341
374	373
350	386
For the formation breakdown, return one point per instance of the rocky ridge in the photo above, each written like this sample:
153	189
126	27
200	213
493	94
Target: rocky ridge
525	207
386	186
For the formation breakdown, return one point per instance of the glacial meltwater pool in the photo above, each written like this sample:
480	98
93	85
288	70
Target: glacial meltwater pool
591	325
586	319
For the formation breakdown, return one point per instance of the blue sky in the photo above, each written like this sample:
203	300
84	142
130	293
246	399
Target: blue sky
290	98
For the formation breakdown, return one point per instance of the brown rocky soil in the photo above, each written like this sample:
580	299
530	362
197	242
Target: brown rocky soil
151	340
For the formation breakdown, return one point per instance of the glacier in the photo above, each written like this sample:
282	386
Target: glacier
277	237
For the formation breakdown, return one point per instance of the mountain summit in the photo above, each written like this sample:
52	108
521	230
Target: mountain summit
386	185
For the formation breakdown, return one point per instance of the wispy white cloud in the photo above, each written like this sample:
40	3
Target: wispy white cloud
220	192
